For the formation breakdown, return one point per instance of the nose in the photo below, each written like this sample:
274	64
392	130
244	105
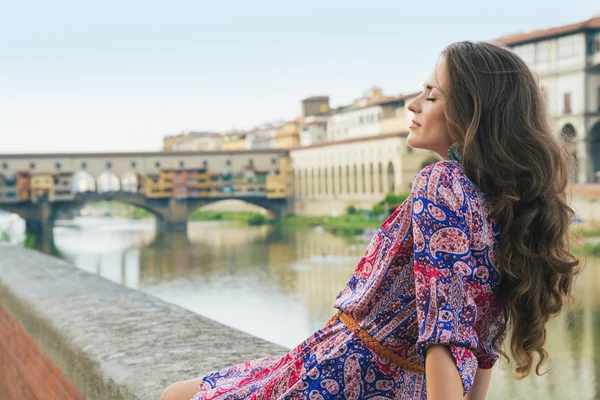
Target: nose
412	106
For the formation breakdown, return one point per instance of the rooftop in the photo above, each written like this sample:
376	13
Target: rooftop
522	37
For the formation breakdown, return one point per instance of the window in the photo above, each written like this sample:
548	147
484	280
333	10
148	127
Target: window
205	164
567	46
567	103
83	165
108	165
181	164
228	163
542	51
32	165
157	164
57	165
133	164
526	52
273	161
597	100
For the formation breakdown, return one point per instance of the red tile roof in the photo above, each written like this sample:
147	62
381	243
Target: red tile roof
592	23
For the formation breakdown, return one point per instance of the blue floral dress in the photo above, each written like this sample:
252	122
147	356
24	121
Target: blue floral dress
427	276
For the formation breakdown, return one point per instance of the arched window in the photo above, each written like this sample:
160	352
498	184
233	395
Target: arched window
355	179
380	178
390	171
371	178
363	178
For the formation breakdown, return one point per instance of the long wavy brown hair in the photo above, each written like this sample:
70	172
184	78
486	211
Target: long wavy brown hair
497	115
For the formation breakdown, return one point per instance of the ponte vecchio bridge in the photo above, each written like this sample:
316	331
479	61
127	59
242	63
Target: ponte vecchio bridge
170	185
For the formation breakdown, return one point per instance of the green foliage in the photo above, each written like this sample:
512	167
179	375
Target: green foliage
257	219
29	242
351	210
140	213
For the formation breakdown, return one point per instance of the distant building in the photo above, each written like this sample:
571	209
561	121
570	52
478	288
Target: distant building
288	135
567	61
263	136
234	141
371	115
193	141
314	130
315	105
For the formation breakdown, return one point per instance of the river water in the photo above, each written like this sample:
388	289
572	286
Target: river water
280	284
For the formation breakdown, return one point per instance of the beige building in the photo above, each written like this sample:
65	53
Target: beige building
63	186
288	135
314	130
567	62
193	141
42	186
234	141
358	171
373	114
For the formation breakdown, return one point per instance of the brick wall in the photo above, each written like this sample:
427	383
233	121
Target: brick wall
27	373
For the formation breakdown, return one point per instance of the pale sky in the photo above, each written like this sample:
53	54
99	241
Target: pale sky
119	75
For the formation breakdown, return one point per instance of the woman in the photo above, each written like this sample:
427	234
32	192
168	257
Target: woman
480	243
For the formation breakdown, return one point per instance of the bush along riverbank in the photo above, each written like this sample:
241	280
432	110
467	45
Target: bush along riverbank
251	218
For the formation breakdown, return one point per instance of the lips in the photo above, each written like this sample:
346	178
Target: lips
415	123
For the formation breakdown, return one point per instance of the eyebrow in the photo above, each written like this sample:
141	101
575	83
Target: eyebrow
428	86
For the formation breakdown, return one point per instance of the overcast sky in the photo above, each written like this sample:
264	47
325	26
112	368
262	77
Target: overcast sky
119	75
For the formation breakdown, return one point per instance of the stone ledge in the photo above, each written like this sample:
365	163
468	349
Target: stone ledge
112	342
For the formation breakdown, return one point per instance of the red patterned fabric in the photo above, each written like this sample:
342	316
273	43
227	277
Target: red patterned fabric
426	277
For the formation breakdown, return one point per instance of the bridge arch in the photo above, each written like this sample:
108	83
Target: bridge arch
108	181
84	182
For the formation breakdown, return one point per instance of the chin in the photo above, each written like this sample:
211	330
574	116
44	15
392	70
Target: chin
413	141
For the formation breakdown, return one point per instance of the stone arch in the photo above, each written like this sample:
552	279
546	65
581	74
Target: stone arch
363	178
333	181
568	133
84	182
371	178
390	178
319	188
380	178
313	181
340	183
131	182
108	182
355	179
306	182
348	191
595	152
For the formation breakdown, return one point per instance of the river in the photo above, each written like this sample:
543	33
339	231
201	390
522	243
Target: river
280	284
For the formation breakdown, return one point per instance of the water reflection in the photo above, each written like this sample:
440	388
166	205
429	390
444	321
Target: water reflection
280	285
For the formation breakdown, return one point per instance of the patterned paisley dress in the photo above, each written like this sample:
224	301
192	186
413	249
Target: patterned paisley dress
427	276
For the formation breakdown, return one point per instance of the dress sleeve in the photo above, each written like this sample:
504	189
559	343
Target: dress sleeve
446	313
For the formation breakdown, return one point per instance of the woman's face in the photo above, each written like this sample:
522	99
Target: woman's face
429	130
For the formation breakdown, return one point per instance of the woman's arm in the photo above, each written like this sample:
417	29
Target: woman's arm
443	380
480	384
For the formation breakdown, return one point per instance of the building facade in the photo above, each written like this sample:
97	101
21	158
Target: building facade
359	171
288	135
193	141
566	60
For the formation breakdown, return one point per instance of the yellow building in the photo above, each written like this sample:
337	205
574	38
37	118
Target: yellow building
288	135
42	186
279	185
234	141
159	185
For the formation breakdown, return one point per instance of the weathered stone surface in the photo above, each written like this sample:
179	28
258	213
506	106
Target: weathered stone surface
110	341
